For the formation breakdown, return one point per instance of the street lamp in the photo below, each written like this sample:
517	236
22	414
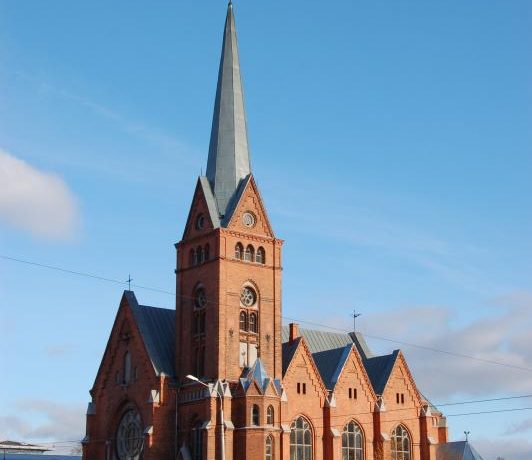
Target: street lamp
222	431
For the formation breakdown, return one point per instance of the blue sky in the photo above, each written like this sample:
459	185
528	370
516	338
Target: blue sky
391	142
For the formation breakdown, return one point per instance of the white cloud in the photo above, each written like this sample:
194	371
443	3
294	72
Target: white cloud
508	449
36	201
56	423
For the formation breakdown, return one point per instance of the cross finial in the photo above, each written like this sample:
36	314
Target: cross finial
355	316
467	433
128	281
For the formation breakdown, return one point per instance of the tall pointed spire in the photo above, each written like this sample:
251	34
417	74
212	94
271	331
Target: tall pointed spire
228	161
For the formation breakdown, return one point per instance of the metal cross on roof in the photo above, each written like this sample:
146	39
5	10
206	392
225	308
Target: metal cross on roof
355	316
128	281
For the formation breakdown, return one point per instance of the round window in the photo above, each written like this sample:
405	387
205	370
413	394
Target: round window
248	297
129	437
200	299
200	222
248	219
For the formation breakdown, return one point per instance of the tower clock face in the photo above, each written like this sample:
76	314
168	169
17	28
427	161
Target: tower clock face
129	436
249	219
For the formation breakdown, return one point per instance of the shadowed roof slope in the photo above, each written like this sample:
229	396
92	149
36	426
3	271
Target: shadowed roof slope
157	328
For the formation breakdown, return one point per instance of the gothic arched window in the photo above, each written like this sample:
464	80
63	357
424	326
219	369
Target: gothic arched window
261	256
127	367
253	326
352	442
207	252
300	440
255	415
200	255
269	448
400	444
270	419
192	258
239	251
249	255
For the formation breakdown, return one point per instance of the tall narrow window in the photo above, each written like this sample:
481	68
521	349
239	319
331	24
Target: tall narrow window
270	416
249	254
197	442
300	440
269	448
200	255
239	251
400	444
243	321
255	415
207	252
261	256
200	360
192	258
352	442
127	367
253	326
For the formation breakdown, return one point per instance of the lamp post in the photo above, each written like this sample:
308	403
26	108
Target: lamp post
222	431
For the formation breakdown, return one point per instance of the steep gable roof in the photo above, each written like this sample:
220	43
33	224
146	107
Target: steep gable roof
330	364
288	352
379	369
157	329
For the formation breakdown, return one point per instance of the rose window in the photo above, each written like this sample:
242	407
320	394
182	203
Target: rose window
248	297
129	437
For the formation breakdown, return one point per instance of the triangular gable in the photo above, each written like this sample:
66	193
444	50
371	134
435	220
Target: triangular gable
125	317
379	369
203	202
248	199
302	348
360	368
400	369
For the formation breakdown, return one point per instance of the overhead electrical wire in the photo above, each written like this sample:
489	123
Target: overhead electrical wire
162	291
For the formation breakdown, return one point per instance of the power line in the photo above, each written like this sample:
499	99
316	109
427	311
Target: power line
321	325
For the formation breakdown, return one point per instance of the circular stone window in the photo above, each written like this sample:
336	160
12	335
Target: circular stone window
200	222
129	437
248	297
200	299
249	219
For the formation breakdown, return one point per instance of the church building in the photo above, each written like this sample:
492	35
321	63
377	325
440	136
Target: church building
220	377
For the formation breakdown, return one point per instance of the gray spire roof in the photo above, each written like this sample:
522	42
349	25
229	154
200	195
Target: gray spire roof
228	161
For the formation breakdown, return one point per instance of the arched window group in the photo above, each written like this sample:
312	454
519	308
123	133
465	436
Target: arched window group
249	322
352	442
199	255
300	440
200	302
401	444
249	254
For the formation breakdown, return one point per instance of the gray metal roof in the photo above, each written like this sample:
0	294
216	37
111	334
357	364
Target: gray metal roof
157	328
319	340
228	161
459	450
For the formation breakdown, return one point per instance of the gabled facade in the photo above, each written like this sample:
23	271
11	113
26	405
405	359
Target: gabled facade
219	377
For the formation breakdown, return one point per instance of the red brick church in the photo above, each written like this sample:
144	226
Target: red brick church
220	377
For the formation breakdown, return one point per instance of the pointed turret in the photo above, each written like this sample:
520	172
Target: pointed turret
228	161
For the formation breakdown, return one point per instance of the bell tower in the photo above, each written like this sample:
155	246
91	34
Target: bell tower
228	271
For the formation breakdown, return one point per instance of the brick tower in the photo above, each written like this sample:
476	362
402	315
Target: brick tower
228	307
